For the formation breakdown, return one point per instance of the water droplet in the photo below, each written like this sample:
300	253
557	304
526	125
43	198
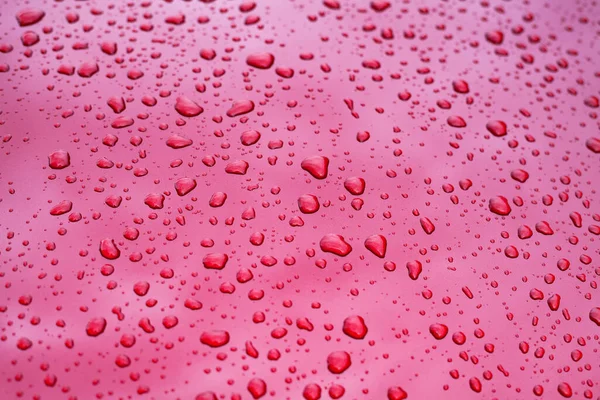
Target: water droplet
438	331
460	86
88	69
30	16
595	315
317	166
187	108
250	137
95	326
494	37
519	175
308	204
239	167
496	128
377	244
61	208
427	225
338	362
215	260
240	107
312	391
260	60
499	205
456	121
354	185
155	201
355	327
564	389
109	250
332	243
396	393
178	142
257	388
414	269
593	144
184	185
24	344
59	159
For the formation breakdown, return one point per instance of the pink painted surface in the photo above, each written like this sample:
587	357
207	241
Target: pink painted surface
461	294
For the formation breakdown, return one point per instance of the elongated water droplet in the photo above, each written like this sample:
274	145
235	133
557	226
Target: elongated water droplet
260	60
332	243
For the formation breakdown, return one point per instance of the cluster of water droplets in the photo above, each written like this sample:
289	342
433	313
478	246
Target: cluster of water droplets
299	199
